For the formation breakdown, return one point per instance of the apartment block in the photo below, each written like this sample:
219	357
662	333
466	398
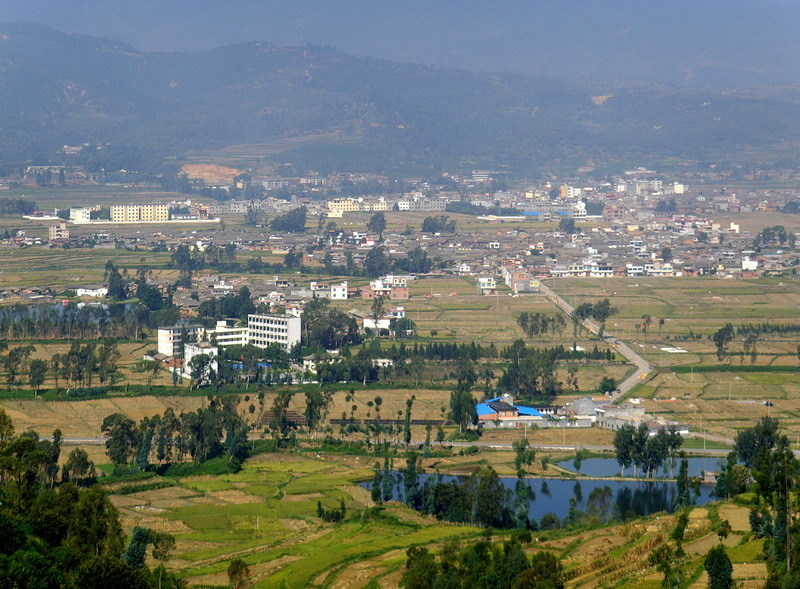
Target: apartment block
264	330
139	213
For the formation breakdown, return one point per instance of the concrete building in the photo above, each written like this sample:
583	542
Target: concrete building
99	291
80	216
169	338
487	285
139	213
264	330
60	231
227	333
195	349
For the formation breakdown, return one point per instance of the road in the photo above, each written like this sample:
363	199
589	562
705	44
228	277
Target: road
643	367
419	443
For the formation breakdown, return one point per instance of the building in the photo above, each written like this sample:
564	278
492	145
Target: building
139	213
60	231
501	412
80	216
227	333
169	338
487	285
395	288
98	291
264	330
339	292
195	349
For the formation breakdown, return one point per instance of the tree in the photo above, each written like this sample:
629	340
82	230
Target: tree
36	374
567	225
722	337
122	437
546	572
719	568
376	311
202	370
163	545
601	311
78	468
116	286
421	569
136	552
292	222
6	428
238	573
462	409
438	224
377	263
377	224
647	321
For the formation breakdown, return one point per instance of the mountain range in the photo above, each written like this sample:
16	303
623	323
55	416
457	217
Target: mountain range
331	110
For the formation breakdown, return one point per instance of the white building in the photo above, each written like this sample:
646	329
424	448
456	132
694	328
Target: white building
264	330
487	285
100	291
169	338
339	292
80	216
227	333
196	349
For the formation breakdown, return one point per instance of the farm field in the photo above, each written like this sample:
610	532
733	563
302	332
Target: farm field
266	516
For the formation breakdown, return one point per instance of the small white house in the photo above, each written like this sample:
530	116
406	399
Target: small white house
100	291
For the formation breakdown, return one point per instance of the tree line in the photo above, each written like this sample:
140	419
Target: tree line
58	534
762	462
483	564
634	446
195	436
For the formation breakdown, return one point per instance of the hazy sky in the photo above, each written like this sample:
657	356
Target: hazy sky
694	42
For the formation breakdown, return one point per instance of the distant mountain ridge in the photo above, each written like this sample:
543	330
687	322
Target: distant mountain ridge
58	88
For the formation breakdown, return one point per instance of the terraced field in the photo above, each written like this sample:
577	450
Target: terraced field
266	515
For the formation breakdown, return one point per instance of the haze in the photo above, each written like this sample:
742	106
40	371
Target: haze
711	43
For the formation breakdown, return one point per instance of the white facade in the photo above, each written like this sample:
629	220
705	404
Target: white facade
91	292
192	350
227	334
264	330
80	216
339	291
486	285
169	338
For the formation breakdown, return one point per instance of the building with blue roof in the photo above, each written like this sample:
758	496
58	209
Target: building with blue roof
501	412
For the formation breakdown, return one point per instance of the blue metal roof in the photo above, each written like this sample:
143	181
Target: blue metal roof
484	409
530	411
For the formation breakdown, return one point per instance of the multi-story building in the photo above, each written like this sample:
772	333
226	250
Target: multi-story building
264	330
395	288
139	213
227	333
487	285
169	338
60	231
80	215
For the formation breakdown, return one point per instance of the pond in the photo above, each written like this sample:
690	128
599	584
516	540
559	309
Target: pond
608	467
629	498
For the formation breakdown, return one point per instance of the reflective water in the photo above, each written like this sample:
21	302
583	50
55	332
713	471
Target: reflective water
627	498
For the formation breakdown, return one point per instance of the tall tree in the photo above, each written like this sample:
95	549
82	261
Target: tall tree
377	224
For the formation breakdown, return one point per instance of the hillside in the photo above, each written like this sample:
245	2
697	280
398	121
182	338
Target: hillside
375	115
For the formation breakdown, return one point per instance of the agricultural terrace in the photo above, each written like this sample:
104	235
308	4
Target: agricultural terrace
266	515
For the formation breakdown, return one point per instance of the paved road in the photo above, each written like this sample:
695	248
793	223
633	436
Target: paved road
642	366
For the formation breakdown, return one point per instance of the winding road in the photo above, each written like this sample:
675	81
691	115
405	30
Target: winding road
643	367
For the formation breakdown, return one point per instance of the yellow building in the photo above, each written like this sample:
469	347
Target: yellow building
139	213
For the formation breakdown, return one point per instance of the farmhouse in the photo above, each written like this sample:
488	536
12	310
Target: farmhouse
501	412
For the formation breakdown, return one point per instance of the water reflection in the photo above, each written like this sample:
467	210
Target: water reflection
545	496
